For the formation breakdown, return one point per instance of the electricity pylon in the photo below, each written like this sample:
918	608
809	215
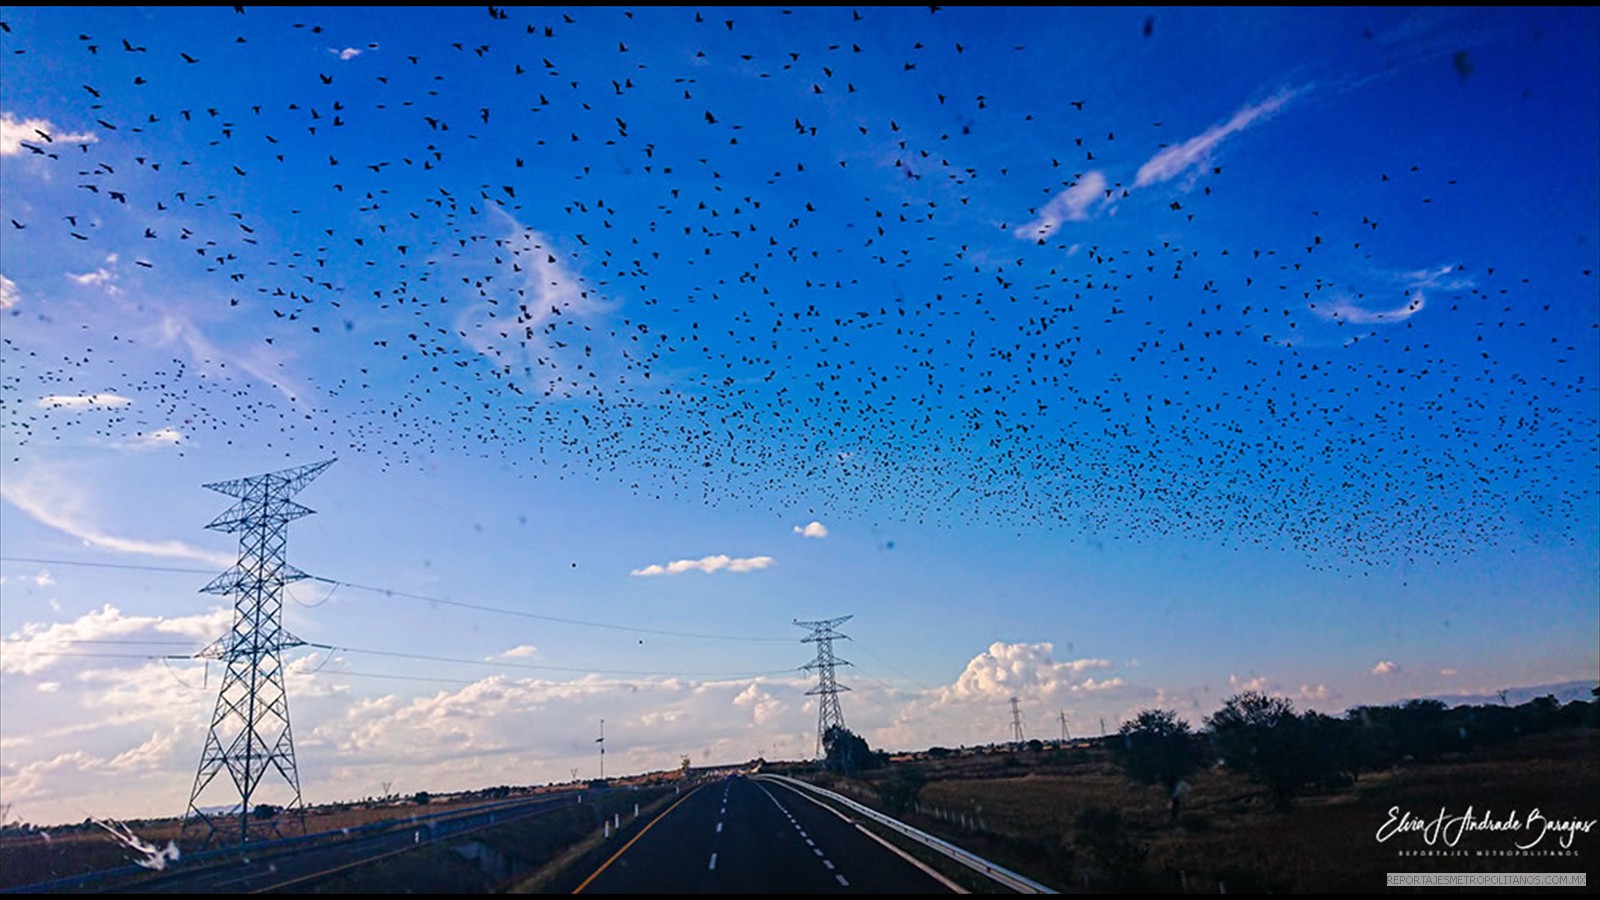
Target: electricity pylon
250	737
827	690
1016	721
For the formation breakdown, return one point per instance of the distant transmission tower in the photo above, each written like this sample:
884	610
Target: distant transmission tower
250	738
1016	721
827	689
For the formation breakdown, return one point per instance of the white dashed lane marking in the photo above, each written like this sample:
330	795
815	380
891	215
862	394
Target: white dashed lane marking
713	866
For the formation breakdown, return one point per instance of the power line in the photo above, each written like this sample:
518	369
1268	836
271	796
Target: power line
44	651
392	592
512	665
94	565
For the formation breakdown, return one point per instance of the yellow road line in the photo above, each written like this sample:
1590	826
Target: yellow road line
603	866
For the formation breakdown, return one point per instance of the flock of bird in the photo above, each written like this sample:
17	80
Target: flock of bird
768	285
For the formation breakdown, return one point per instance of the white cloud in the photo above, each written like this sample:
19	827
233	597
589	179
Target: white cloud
1449	673
83	401
161	437
37	646
14	131
1007	669
708	564
1309	693
265	364
57	501
1258	683
521	651
1174	161
98	276
1385	667
1071	205
538	303
10	295
44	578
812	530
1346	311
347	53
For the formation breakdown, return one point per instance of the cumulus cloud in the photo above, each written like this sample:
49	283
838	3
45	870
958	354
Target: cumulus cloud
1385	667
521	651
1007	669
57	501
83	401
347	53
14	131
1071	205
1258	683
1318	693
10	294
812	530
1174	161
36	646
708	564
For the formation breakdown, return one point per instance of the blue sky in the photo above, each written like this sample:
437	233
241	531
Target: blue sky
1104	358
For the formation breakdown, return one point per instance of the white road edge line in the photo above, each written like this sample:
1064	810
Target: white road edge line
713	866
926	869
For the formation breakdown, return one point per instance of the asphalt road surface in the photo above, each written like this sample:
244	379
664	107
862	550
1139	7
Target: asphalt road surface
295	868
743	835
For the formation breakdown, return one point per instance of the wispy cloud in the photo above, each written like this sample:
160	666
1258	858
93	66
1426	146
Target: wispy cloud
1174	161
812	530
10	294
57	501
1071	205
708	564
83	401
160	437
14	131
100	276
265	365
1348	311
520	651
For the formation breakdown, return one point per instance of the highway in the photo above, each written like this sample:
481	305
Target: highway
294	867
742	835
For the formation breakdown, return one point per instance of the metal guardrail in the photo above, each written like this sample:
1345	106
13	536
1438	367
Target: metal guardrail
437	825
1019	883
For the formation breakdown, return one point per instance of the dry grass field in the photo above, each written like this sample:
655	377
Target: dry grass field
1026	810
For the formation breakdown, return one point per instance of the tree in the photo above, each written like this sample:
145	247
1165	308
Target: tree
1262	737
846	752
1157	747
422	798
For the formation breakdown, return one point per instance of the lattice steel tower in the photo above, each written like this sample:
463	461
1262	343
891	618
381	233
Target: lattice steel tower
827	689
250	738
1016	721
